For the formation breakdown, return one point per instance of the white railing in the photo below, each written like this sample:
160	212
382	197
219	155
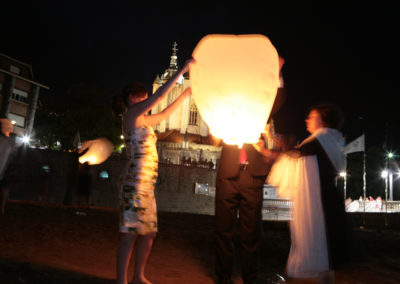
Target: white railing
373	206
277	209
281	209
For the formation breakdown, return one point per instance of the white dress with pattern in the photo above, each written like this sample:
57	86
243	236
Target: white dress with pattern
138	205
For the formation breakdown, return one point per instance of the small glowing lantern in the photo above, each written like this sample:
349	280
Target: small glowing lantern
98	150
234	83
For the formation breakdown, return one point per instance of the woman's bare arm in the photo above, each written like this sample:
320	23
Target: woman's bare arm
154	119
145	106
269	154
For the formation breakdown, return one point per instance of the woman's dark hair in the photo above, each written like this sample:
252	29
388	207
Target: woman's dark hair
331	115
120	101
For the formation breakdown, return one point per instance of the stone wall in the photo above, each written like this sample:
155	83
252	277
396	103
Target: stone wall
174	190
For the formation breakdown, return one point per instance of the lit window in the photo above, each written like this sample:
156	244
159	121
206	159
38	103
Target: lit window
19	120
193	115
20	96
14	69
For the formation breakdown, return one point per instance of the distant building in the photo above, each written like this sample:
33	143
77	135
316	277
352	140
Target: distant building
183	138
19	94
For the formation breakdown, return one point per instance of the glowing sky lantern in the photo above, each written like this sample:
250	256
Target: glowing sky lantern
98	151
234	83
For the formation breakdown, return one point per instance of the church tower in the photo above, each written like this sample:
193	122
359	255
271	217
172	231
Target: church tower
185	120
183	138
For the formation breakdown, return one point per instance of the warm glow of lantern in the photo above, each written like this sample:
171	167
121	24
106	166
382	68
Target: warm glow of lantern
234	83
98	151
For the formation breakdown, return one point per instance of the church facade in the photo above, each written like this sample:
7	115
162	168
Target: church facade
184	137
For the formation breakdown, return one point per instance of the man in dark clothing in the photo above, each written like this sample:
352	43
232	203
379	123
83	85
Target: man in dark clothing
239	189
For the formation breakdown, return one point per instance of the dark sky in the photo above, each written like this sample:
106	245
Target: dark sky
345	54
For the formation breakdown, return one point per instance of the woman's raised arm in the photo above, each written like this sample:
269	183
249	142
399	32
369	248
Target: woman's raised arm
149	103
154	119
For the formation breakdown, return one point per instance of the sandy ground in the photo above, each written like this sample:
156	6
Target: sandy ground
53	244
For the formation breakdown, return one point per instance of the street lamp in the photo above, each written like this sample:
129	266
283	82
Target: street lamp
26	139
390	185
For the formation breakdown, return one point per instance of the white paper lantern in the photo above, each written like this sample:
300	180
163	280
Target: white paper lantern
234	83
98	151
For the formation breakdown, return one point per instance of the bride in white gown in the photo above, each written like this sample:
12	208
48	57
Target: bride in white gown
306	175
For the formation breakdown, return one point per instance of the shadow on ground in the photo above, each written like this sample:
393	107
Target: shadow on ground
42	243
19	272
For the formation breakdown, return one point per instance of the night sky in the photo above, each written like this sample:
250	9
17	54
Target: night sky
339	53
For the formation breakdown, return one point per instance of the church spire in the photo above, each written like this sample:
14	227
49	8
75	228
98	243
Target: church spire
173	64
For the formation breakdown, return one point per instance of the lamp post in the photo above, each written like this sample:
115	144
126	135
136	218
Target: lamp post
384	175
390	185
389	178
343	175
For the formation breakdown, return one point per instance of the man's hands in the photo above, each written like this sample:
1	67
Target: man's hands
187	65
187	92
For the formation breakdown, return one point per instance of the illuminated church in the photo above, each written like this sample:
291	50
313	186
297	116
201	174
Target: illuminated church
184	136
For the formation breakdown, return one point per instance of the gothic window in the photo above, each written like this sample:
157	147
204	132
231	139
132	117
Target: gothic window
193	115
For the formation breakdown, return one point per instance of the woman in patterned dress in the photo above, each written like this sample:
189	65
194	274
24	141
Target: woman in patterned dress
138	216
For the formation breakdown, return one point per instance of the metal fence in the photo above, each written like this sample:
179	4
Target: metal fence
281	209
391	206
373	206
277	209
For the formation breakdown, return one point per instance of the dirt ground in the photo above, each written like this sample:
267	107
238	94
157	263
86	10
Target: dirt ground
53	244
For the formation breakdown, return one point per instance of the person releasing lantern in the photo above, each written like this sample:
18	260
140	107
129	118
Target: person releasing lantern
138	215
234	84
321	234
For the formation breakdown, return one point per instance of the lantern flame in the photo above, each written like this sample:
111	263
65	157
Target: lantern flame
98	150
234	82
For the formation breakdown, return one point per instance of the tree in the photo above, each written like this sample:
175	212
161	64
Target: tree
86	109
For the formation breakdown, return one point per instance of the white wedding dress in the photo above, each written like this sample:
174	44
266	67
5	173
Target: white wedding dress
297	177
